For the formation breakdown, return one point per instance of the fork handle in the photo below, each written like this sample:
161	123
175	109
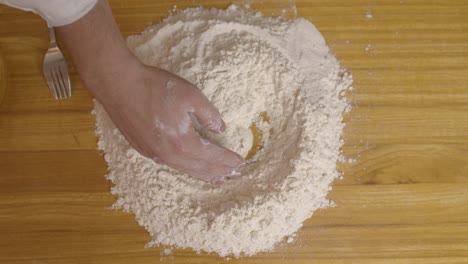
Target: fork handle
53	42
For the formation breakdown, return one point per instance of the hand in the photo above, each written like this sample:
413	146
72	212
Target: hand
151	107
156	110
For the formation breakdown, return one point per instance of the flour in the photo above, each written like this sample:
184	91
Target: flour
265	74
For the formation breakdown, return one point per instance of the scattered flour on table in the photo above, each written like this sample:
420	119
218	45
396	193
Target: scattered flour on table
369	14
368	47
246	64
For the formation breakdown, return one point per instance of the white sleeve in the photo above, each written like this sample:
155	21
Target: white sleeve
55	12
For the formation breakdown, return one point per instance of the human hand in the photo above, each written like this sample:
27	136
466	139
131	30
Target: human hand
154	110
151	107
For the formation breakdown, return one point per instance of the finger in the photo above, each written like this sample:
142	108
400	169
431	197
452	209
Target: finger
201	148
206	113
199	169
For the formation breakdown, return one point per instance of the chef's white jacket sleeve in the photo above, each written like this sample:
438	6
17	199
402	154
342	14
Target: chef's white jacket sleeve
55	12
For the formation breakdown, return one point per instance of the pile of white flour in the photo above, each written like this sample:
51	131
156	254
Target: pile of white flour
246	64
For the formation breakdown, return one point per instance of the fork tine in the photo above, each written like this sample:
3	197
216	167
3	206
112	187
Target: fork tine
61	82
52	88
55	70
50	82
66	75
56	83
65	80
69	85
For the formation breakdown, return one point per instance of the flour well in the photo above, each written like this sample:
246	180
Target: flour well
267	75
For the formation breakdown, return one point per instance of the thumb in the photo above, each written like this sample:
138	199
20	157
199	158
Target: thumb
207	114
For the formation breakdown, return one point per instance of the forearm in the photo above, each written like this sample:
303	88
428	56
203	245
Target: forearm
148	105
97	48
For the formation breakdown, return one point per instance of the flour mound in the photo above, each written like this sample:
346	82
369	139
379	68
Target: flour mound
264	74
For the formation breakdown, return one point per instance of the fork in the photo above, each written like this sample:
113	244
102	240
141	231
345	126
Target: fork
56	70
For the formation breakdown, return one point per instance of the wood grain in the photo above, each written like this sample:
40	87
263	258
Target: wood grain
404	199
2	79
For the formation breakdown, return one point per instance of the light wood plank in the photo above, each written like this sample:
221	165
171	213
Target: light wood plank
403	200
76	222
51	171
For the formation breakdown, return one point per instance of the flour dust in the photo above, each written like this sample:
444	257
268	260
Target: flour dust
271	75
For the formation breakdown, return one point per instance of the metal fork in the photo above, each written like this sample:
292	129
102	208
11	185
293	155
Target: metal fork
56	70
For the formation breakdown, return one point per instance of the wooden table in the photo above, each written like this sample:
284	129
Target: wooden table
404	200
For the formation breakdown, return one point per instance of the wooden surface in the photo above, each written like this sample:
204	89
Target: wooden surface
404	200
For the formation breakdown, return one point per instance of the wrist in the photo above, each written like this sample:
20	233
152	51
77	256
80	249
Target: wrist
107	77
